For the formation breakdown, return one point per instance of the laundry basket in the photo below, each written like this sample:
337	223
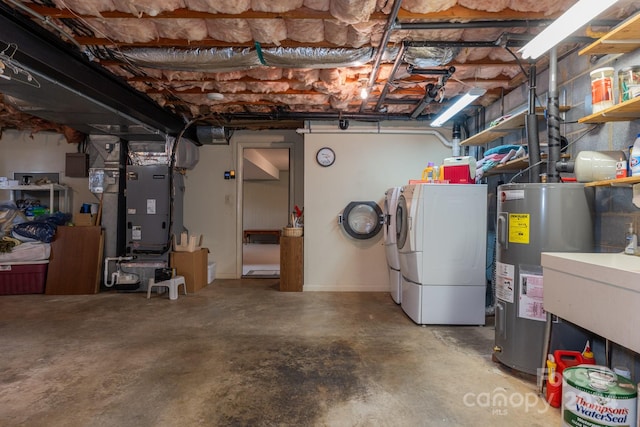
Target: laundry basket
292	231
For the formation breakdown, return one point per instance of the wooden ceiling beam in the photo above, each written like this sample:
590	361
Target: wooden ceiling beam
417	89
455	13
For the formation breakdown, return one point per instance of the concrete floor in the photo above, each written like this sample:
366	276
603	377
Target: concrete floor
239	353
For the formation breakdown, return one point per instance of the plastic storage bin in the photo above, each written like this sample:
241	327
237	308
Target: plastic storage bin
23	278
211	272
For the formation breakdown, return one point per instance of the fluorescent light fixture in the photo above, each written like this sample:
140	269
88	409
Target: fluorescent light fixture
578	15
465	100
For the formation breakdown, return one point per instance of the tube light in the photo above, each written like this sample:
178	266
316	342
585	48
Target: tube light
465	100
578	15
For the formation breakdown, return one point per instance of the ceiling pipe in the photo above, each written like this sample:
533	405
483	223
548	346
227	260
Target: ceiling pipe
531	123
513	23
285	115
553	119
504	40
378	130
434	43
381	48
388	83
431	92
455	138
431	72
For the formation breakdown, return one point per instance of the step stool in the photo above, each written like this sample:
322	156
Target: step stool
172	284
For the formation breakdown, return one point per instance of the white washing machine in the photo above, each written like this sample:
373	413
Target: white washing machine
441	239
390	246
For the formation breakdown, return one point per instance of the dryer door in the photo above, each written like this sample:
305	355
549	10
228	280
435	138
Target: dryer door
402	222
362	220
389	211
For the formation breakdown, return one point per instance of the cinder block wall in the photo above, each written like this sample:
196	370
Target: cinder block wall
614	211
613	206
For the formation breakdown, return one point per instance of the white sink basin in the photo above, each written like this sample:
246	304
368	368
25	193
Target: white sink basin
598	291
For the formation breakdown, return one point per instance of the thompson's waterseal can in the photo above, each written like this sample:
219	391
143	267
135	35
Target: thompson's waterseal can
595	396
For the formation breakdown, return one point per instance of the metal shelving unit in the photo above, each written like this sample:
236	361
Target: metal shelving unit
52	189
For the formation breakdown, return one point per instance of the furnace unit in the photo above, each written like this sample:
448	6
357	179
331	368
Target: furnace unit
148	197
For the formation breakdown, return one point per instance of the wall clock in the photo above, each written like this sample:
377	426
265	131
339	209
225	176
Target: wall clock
325	156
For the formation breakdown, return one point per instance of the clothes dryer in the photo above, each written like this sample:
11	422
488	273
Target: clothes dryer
390	245
441	239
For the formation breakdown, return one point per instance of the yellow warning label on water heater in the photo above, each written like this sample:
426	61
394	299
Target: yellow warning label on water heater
519	228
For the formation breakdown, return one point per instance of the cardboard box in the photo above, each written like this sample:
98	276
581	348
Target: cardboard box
84	219
187	243
192	266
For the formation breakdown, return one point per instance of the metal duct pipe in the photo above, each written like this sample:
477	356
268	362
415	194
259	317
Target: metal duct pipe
533	139
381	48
212	135
553	119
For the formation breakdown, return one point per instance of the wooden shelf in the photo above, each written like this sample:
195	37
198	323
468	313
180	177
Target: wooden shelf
624	38
509	167
512	124
503	128
615	182
514	165
625	111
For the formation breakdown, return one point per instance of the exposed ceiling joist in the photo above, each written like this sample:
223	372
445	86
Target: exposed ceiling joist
164	93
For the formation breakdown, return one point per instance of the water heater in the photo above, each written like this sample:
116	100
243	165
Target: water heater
534	218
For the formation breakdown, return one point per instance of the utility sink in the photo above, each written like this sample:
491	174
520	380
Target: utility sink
597	291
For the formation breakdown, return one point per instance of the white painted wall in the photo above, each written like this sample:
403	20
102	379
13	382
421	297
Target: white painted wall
41	152
213	204
266	203
366	166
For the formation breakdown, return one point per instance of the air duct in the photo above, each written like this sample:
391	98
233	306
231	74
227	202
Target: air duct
213	135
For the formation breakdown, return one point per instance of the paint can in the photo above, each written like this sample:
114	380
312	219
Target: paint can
601	89
594	395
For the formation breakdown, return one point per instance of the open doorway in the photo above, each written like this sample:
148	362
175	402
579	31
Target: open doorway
265	209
